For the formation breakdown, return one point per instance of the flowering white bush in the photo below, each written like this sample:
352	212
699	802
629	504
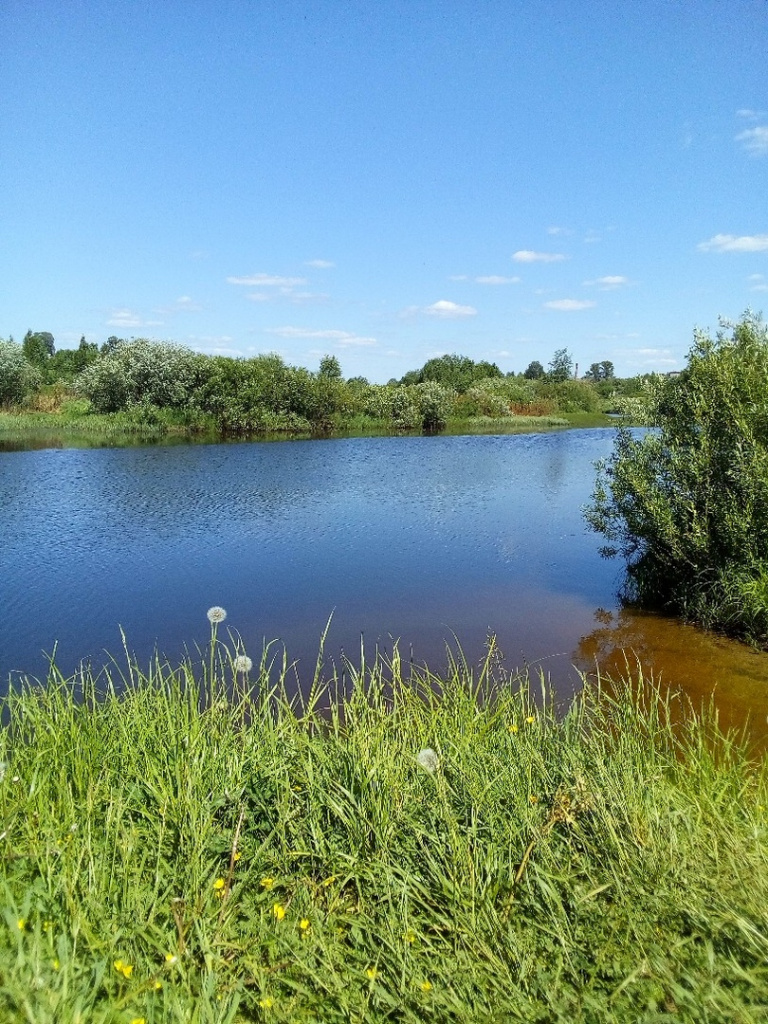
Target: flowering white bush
140	372
18	377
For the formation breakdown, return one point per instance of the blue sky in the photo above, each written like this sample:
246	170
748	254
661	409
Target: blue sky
385	181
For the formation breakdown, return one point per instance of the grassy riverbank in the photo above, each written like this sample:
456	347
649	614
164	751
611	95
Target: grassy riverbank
76	425
420	853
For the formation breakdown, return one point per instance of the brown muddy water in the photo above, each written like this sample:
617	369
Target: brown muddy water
419	541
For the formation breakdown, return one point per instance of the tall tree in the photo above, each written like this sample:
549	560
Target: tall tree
561	365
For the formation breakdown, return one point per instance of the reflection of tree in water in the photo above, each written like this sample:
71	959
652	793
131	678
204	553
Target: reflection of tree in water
626	643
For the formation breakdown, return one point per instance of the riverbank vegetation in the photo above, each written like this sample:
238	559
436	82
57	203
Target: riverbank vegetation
187	844
149	389
687	505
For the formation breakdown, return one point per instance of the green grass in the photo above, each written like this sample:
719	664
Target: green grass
173	855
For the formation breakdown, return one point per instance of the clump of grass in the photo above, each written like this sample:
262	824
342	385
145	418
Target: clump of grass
186	843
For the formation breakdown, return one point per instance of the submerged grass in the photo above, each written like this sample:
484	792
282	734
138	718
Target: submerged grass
187	844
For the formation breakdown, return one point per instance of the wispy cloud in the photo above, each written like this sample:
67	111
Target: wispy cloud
184	304
555	230
735	243
496	279
529	256
128	318
750	115
651	358
267	281
570	305
754	140
320	264
342	339
757	283
608	283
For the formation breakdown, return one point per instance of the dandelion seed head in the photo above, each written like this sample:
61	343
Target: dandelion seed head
243	663
428	759
216	615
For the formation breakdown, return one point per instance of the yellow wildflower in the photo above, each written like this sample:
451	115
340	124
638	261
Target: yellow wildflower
171	958
47	925
278	911
305	924
55	964
267	1003
426	986
123	968
372	973
330	880
410	936
138	1020
530	719
219	884
513	728
533	799
157	984
21	924
267	883
236	856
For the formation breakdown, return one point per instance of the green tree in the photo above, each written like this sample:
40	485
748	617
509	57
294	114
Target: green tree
687	504
534	370
38	347
560	365
453	371
330	368
600	371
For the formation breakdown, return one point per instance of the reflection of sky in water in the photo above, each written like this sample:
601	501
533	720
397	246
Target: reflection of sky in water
399	537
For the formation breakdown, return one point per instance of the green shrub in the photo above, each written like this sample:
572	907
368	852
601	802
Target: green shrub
18	377
141	372
687	505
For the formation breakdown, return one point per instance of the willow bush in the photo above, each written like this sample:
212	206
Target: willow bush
687	504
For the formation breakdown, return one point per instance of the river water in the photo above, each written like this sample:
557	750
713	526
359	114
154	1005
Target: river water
415	539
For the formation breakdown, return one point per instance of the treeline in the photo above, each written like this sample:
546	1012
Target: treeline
264	395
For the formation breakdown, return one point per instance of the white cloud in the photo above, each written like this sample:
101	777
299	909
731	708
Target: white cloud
496	279
591	237
570	305
645	358
757	283
554	230
750	115
320	264
267	281
125	318
735	243
609	282
449	310
458	277
342	338
303	298
529	256
754	140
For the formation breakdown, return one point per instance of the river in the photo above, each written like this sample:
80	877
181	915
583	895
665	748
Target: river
415	539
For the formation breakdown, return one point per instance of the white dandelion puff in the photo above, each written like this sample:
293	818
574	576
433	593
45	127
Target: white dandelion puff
428	760
216	615
243	663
